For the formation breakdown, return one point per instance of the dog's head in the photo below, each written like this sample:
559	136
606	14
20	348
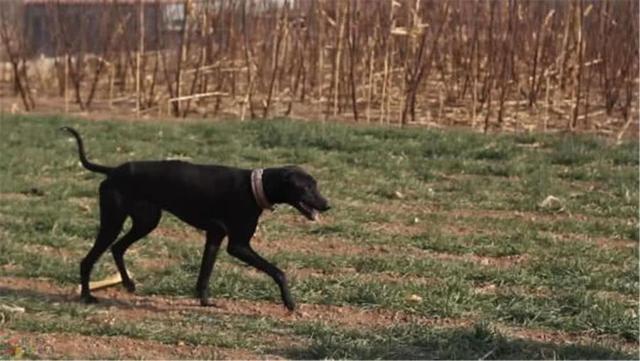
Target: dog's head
301	192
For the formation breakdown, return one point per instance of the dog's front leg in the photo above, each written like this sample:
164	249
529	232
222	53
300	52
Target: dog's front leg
243	252
214	239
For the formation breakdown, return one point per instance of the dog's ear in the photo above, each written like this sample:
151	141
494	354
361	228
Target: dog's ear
289	174
294	168
290	171
294	175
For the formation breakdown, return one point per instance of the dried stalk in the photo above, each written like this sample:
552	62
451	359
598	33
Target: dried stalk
139	54
342	19
19	72
372	55
280	30
249	63
579	15
352	39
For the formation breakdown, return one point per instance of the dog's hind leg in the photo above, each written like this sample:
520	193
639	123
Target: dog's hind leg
145	218
112	216
215	235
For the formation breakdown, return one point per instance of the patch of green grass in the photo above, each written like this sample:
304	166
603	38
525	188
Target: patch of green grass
403	190
580	272
626	154
571	310
575	150
493	245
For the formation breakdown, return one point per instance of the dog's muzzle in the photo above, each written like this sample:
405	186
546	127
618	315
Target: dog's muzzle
312	210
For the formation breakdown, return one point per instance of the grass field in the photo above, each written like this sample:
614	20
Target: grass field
436	246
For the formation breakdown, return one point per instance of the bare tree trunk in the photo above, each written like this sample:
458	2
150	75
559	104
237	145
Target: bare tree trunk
182	56
490	72
196	77
75	68
372	55
507	60
536	53
579	8
353	53
280	29
422	68
139	54
298	63
564	55
66	83
248	100
388	61
154	77
474	65
19	77
106	41
337	62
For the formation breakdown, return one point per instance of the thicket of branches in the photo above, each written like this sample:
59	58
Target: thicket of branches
489	64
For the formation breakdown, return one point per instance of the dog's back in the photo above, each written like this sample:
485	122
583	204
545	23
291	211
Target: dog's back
180	187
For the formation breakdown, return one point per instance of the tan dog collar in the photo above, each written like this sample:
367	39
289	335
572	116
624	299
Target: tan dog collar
258	189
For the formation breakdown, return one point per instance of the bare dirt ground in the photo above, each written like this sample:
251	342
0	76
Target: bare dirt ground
120	305
73	346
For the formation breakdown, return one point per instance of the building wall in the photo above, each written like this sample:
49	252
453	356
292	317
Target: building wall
53	29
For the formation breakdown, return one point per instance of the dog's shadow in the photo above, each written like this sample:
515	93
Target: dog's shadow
71	297
471	342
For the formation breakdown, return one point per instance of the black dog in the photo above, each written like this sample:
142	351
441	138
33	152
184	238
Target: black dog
223	201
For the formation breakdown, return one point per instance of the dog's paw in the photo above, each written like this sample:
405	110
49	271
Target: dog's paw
88	299
205	302
290	305
129	286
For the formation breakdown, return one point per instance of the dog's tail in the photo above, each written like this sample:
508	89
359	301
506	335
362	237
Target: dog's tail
83	158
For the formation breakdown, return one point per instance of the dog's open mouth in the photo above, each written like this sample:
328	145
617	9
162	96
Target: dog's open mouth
308	211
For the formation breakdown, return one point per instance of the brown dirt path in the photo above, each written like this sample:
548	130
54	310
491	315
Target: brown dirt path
74	346
119	305
127	306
